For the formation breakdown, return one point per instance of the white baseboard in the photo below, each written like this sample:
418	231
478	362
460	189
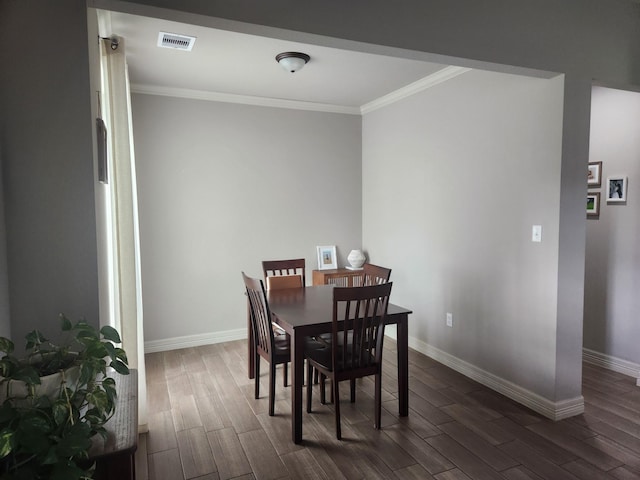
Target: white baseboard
176	343
612	363
552	410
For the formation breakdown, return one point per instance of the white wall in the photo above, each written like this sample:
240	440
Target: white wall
612	276
461	172
222	187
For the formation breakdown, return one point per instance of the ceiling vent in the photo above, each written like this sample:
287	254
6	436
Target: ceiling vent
174	40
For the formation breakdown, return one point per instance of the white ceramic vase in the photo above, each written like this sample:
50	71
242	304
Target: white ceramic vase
356	258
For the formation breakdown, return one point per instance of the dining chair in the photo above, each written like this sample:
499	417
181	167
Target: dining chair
371	275
276	349
374	274
284	267
277	282
273	268
363	310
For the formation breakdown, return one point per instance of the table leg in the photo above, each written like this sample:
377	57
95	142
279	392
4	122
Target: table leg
403	365
297	375
251	368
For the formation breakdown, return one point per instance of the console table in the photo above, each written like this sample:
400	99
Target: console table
114	456
342	277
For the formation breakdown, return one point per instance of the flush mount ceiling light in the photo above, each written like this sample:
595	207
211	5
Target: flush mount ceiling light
292	61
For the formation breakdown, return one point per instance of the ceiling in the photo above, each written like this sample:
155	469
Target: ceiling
239	64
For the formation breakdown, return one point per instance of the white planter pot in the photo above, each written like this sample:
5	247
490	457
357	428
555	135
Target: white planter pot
49	385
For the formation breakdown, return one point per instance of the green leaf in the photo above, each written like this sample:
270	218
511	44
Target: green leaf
96	350
6	442
76	440
82	325
109	385
67	471
60	412
28	375
108	381
7	413
34	338
51	457
32	435
111	350
65	323
110	333
6	345
87	373
99	399
120	367
122	355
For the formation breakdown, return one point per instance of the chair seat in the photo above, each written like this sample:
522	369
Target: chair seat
322	356
326	338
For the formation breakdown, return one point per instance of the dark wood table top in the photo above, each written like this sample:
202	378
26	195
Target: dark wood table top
311	307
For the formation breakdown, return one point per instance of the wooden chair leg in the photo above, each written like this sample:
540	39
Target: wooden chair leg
336	396
257	375
353	390
378	401
332	399
323	393
272	389
286	371
309	386
315	376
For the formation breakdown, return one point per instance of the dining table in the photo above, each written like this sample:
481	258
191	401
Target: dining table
308	312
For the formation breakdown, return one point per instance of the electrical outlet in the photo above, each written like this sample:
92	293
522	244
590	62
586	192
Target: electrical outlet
449	319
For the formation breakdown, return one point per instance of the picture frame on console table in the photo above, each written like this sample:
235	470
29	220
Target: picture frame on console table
327	259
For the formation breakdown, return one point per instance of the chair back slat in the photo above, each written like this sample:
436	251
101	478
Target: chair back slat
279	282
358	326
260	314
375	274
285	267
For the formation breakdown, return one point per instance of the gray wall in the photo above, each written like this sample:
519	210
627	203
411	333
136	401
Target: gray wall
596	38
45	113
5	317
46	136
612	272
232	186
474	164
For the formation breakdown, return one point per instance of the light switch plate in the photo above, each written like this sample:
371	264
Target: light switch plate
536	233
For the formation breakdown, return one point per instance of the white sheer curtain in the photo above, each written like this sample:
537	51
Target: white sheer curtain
124	256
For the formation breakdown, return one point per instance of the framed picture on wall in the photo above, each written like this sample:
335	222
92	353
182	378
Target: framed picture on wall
327	257
594	174
593	204
616	189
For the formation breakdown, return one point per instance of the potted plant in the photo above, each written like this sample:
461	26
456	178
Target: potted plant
46	432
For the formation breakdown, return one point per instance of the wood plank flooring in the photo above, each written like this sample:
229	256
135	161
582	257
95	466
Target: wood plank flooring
204	423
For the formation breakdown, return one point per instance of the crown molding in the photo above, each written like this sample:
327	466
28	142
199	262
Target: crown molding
242	99
440	76
432	80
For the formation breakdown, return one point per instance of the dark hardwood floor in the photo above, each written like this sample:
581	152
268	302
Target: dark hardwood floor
204	423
